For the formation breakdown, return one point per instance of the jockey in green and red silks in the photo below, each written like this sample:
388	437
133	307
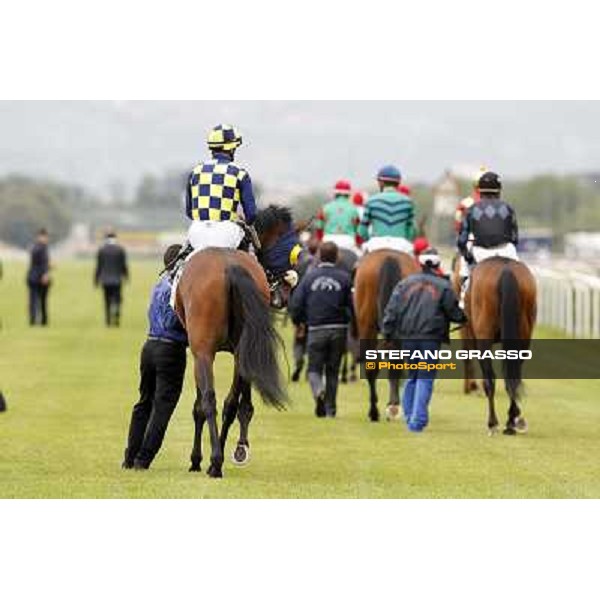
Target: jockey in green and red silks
338	219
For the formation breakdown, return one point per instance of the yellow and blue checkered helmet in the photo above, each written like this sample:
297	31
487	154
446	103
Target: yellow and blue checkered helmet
224	137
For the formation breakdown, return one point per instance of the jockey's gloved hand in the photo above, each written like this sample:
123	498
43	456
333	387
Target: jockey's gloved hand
469	258
291	278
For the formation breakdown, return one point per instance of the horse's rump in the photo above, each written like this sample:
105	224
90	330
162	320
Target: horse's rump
501	300
223	301
377	274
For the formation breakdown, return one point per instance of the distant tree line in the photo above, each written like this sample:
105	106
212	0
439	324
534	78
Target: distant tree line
562	204
27	204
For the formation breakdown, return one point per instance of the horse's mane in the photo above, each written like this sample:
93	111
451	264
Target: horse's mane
270	217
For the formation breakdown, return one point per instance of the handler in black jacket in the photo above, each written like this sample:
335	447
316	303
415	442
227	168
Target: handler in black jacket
38	280
111	270
323	301
419	313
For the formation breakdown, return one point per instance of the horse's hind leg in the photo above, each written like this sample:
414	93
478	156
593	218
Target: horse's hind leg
489	385
373	410
205	382
241	455
230	408
516	423
199	420
393	407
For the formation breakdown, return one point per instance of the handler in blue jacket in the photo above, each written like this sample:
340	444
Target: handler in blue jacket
419	313
323	301
162	369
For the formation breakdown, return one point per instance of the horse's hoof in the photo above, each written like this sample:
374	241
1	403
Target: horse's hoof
492	431
509	431
241	455
392	413
374	416
473	387
215	472
521	425
194	468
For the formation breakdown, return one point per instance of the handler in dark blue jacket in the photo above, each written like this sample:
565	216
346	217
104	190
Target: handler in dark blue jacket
419	313
323	301
162	369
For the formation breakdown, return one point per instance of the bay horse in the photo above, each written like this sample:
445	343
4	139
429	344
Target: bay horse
469	382
377	274
223	301
501	304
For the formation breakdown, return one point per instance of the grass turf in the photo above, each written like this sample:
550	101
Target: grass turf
70	389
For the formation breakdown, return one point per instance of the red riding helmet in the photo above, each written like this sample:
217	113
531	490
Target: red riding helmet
420	244
358	199
342	188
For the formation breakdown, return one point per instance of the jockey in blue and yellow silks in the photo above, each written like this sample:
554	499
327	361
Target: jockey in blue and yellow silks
218	193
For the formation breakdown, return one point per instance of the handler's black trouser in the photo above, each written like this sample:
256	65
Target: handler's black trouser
162	368
112	304
38	304
326	348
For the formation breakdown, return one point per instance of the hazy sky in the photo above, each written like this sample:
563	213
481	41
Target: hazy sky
290	145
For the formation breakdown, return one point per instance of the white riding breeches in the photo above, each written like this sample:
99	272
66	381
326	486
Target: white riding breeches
388	243
505	250
341	240
463	269
215	234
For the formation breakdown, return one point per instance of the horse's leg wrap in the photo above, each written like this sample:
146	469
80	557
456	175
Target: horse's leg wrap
241	455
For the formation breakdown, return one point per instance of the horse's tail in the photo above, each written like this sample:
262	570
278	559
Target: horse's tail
510	314
256	340
389	275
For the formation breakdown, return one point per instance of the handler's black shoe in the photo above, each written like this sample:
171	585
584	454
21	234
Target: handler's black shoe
2	403
320	405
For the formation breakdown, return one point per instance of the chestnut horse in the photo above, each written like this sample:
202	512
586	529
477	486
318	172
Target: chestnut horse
501	304
223	301
377	274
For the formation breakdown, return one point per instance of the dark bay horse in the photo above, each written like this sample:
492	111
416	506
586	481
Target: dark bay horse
223	301
280	248
501	304
377	274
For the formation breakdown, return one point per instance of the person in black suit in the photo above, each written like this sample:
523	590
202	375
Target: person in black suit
2	398
38	280
111	271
